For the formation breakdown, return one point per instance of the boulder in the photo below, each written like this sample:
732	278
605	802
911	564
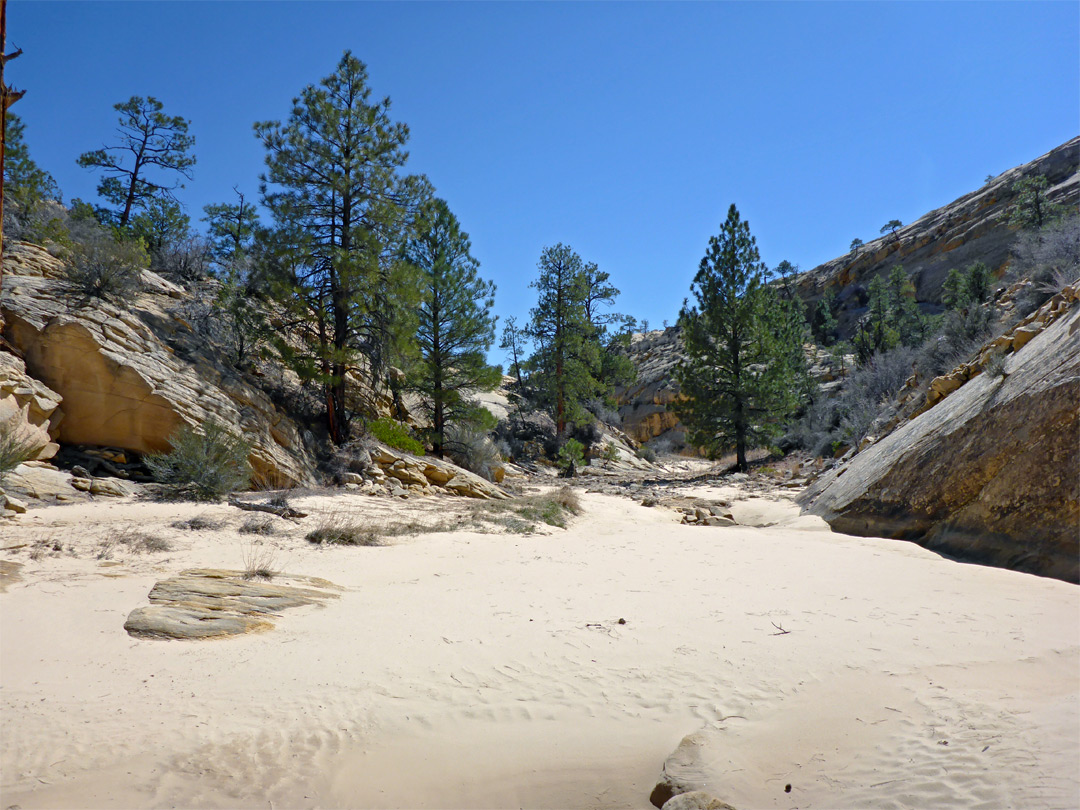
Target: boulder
696	800
423	474
29	409
130	377
684	771
210	603
41	482
989	474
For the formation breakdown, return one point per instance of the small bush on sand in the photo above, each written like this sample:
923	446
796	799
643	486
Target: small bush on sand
260	562
343	530
199	523
204	465
133	541
396	435
264	526
995	366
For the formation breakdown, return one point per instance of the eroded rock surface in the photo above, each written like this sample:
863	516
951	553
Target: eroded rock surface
211	603
971	228
988	474
122	382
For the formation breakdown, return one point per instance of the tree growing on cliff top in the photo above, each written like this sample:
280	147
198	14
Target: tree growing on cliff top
149	140
1031	209
891	227
742	372
455	325
342	211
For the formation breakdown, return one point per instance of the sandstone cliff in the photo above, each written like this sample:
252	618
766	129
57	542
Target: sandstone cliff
126	377
988	470
971	228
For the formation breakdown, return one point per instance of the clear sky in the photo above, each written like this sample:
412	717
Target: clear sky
622	129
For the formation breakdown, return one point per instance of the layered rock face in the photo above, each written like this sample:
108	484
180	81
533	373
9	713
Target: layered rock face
969	229
29	409
643	406
121	382
989	473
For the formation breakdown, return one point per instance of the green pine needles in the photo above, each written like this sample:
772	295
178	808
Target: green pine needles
744	366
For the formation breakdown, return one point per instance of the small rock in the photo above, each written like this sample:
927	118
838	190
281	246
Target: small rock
112	487
719	521
696	800
81	484
14	504
352	478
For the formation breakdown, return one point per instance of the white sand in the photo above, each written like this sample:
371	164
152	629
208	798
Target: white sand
467	670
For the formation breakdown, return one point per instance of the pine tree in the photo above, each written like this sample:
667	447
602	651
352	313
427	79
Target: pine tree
24	182
567	354
739	378
823	322
1032	210
148	139
342	212
513	340
875	332
231	227
455	325
905	317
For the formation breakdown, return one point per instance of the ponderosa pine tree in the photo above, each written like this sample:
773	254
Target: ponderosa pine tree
149	139
567	353
342	211
741	374
231	227
25	183
455	327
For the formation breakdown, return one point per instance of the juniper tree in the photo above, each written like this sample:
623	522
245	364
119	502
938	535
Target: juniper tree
342	210
891	227
455	326
740	376
149	140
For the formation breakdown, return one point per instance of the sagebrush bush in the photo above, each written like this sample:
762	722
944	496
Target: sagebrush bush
14	448
646	453
343	530
106	268
258	525
203	464
199	523
396	435
473	449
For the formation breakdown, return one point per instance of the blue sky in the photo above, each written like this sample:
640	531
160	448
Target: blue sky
621	129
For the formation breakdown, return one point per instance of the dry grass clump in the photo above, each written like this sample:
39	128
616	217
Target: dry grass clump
133	541
199	523
259	525
340	529
522	515
260	562
50	546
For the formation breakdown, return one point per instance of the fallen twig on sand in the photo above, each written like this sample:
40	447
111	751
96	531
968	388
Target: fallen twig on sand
780	627
286	512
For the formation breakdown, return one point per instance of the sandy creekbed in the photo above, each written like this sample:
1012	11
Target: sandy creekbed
488	670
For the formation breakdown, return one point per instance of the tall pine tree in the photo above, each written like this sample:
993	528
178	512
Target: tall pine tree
455	325
567	353
741	373
342	211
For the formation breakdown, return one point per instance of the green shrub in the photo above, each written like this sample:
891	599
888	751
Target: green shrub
571	455
396	435
105	268
646	454
202	465
14	449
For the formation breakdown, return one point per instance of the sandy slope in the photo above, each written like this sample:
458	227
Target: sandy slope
483	670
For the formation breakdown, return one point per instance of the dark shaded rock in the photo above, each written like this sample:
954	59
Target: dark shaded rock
988	475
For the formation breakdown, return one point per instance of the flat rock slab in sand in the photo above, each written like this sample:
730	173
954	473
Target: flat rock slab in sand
212	603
